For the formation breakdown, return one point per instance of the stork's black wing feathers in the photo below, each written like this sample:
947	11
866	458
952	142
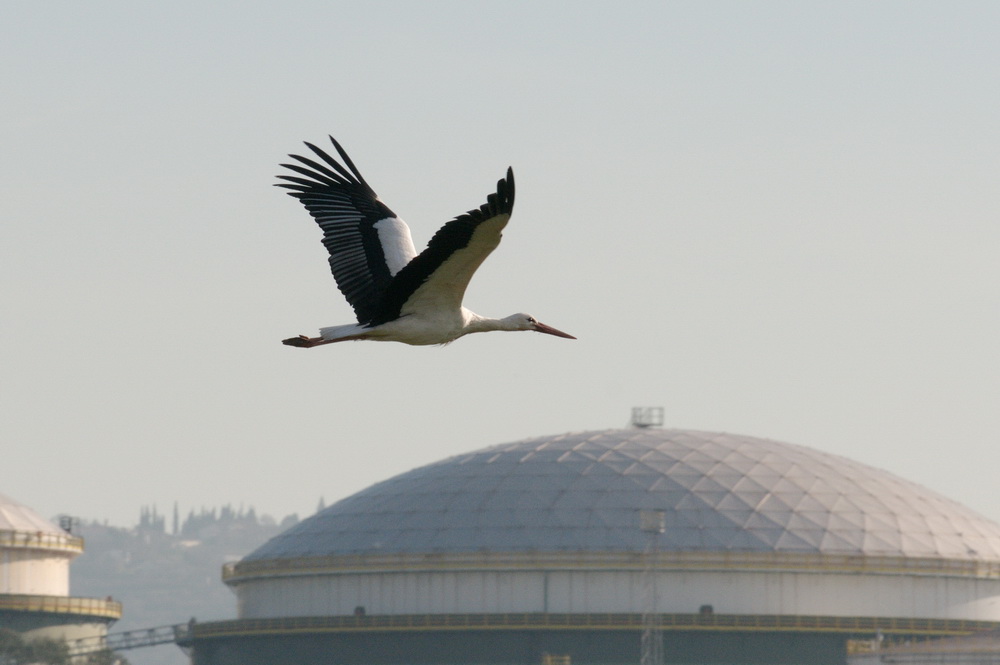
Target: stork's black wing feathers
349	212
454	243
346	209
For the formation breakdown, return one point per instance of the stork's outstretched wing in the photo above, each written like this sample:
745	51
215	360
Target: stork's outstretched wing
367	242
438	276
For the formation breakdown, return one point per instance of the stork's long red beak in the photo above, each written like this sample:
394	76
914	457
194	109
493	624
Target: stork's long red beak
549	330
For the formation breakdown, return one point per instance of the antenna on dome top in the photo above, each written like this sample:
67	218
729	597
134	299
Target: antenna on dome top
647	416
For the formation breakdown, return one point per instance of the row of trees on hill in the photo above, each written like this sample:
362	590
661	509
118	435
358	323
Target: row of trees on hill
167	573
150	520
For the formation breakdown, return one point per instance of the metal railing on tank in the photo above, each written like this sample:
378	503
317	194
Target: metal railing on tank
664	561
94	607
599	621
42	540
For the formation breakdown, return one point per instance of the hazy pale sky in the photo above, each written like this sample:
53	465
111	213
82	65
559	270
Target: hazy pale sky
777	219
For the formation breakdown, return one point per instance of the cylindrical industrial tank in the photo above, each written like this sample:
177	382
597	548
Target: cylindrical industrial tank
554	525
34	553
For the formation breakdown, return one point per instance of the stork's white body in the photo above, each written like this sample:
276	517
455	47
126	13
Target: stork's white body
397	294
439	327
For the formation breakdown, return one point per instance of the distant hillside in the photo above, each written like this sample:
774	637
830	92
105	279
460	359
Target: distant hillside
166	578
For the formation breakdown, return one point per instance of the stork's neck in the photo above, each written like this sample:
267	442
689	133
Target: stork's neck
477	323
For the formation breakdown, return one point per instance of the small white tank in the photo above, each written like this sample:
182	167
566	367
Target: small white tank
34	580
34	553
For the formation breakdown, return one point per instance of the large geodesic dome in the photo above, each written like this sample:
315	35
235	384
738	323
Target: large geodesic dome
581	492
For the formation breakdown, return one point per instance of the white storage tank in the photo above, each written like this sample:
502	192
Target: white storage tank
760	538
35	558
34	553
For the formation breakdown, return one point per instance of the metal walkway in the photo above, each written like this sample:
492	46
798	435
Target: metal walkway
130	639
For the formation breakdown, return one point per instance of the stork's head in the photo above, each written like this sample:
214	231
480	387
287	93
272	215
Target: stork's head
524	321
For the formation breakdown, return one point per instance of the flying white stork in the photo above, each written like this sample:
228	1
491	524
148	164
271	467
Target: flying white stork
397	294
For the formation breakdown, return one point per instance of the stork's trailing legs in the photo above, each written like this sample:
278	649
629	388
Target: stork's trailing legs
308	342
304	342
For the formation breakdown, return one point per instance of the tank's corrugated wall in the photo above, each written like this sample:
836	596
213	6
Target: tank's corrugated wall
37	572
580	591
